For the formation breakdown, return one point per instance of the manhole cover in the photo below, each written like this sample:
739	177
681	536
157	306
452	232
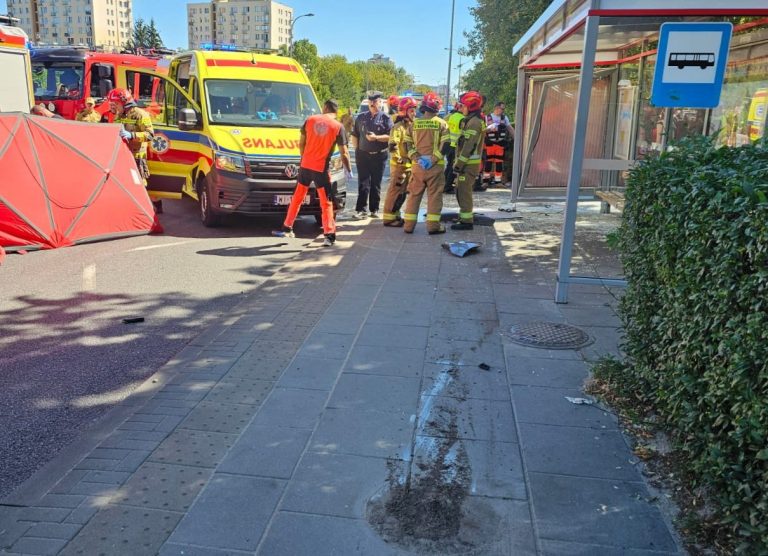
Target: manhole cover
549	335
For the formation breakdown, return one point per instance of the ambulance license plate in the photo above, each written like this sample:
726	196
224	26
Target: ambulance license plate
286	200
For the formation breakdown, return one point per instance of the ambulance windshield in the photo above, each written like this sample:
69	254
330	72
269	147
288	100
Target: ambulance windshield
241	102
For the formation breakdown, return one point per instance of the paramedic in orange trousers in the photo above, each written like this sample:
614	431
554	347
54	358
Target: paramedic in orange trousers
320	135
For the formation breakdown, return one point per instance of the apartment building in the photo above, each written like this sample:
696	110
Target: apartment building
261	24
95	23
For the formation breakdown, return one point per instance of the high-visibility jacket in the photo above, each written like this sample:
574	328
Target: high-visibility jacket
427	137
471	140
139	122
454	120
397	148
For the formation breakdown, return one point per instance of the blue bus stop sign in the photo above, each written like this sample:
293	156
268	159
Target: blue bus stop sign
690	64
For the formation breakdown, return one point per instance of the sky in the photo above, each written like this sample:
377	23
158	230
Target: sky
417	41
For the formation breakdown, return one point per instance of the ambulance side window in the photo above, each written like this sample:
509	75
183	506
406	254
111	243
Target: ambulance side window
148	92
141	89
174	102
194	90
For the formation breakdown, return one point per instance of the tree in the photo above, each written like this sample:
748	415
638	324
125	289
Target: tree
333	76
305	53
144	36
154	39
337	78
500	23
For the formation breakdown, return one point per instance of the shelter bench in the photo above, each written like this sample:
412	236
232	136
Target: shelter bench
610	199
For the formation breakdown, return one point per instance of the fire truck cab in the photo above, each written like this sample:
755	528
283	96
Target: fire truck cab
64	77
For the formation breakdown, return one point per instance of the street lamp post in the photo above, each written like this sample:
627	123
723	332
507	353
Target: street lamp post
450	54
458	84
295	19
458	67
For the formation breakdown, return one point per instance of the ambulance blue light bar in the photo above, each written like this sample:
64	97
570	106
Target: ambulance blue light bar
212	46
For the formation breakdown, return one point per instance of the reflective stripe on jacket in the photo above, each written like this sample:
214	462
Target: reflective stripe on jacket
398	149
138	122
470	146
427	137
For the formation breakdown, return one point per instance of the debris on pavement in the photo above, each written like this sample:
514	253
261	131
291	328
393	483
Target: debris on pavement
133	320
579	401
485	366
461	248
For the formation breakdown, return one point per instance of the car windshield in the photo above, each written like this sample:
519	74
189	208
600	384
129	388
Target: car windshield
243	102
58	80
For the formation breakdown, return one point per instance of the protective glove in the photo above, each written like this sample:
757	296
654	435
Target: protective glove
348	174
125	135
425	162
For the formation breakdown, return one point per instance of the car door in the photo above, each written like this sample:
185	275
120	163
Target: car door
174	154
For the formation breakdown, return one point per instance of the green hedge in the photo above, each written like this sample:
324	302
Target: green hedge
694	245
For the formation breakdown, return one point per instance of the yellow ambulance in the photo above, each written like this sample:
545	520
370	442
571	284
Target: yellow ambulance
227	128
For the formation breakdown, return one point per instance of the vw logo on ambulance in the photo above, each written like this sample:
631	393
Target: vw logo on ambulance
292	171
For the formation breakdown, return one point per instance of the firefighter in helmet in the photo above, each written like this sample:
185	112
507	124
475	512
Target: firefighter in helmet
393	102
136	131
469	149
399	163
427	143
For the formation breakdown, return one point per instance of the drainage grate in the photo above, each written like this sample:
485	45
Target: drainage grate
549	335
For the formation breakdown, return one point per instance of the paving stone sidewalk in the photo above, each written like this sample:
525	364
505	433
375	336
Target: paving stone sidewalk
353	374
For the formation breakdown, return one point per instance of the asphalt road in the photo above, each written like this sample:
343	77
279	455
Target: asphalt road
65	355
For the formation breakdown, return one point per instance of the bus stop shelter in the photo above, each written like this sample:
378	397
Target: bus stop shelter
586	37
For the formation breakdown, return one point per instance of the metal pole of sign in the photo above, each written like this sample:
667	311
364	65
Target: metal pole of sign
577	158
518	144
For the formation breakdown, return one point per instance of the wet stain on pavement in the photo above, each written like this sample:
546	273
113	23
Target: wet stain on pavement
430	509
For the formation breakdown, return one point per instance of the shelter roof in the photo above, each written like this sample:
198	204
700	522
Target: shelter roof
556	39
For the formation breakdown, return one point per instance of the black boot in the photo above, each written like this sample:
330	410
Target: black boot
463	226
158	206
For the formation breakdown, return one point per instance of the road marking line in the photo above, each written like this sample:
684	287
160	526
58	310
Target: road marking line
89	277
148	247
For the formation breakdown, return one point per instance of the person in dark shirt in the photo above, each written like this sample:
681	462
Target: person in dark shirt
370	137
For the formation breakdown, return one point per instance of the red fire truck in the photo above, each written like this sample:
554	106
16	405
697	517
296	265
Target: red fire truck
64	77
